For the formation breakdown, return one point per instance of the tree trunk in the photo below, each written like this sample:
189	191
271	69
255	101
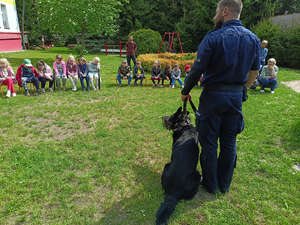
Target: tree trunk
23	24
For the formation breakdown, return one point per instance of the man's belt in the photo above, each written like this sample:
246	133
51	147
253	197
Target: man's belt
225	88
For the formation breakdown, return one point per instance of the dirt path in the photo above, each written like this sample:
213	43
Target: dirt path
295	85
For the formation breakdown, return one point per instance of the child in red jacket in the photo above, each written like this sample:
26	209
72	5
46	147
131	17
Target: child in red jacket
26	73
7	77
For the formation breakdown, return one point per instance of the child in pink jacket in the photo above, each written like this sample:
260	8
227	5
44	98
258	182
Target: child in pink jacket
7	77
59	67
72	71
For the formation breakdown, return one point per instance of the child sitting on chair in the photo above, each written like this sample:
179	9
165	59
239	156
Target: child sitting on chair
167	75
176	73
94	73
45	74
26	73
82	73
72	71
7	77
59	67
124	73
187	70
138	73
156	73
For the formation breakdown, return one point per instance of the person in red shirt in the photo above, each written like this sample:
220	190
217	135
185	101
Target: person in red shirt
131	48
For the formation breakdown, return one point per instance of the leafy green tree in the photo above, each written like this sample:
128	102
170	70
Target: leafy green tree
196	21
30	19
287	6
80	19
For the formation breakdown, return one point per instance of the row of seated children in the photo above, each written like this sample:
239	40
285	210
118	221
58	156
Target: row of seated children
169	74
88	72
26	73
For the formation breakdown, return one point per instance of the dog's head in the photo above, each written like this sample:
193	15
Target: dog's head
176	121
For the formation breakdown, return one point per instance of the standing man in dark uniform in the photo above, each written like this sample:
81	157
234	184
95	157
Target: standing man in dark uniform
229	59
131	48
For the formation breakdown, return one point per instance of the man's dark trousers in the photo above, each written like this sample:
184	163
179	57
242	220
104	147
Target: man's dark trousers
129	57
220	118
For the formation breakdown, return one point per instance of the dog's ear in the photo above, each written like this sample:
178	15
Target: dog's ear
166	122
179	110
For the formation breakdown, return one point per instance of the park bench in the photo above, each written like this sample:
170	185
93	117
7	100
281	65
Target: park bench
146	82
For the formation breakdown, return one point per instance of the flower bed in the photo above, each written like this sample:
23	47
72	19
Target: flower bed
182	60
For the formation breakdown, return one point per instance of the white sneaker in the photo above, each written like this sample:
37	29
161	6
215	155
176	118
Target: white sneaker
182	86
14	94
173	86
8	94
262	91
272	92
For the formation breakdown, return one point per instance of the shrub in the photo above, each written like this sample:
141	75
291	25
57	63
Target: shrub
284	44
148	41
182	60
80	50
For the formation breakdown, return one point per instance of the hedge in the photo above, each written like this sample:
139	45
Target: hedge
147	40
182	60
284	44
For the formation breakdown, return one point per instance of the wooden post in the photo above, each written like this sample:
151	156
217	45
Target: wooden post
120	48
178	36
162	41
23	24
173	34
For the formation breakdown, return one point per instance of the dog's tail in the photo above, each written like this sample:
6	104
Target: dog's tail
166	209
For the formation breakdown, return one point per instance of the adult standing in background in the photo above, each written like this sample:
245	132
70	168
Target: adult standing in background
131	48
226	56
263	53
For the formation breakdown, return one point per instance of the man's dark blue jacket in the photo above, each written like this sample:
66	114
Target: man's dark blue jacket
225	56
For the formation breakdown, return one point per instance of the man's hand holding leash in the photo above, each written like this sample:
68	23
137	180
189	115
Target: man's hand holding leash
186	97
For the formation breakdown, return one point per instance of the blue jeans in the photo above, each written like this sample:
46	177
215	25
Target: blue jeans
119	78
220	119
43	81
129	60
179	81
268	83
87	82
33	80
136	78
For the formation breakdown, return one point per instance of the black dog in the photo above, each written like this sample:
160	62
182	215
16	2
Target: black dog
180	178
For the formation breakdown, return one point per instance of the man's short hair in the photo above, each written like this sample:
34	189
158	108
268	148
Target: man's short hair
235	7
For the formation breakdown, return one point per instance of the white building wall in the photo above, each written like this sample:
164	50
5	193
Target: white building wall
12	18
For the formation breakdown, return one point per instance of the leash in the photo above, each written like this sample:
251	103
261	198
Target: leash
192	105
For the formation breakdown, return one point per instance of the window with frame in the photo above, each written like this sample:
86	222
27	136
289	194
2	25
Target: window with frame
4	16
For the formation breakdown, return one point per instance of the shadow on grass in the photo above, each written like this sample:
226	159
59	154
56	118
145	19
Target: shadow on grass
292	137
141	208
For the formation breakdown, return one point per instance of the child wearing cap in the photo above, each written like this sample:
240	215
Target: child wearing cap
59	67
7	77
138	73
187	70
26	73
176	73
82	73
124	73
94	73
156	73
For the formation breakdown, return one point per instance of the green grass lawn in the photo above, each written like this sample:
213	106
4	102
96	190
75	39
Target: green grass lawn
97	157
